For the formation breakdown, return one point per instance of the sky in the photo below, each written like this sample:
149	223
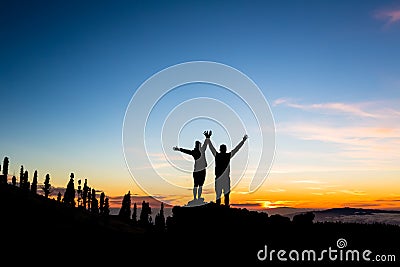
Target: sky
328	71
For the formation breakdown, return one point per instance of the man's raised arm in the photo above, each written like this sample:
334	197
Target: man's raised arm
204	146
236	149
212	148
207	134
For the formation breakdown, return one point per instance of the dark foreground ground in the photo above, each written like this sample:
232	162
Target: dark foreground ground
35	230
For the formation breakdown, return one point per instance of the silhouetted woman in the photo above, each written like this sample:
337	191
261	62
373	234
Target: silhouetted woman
200	165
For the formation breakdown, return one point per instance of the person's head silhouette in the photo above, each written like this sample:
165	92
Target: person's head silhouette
222	148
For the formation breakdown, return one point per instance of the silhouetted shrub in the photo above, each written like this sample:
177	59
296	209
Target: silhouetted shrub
69	194
159	221
46	187
145	214
304	218
277	219
134	214
34	183
3	178
125	210
95	203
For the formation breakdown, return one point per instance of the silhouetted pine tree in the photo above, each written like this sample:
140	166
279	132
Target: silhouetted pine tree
85	193
106	210
5	171
59	197
21	177
46	187
170	223
14	180
95	203
134	214
145	214
125	211
34	183
89	197
79	193
159	220
101	207
26	184
69	194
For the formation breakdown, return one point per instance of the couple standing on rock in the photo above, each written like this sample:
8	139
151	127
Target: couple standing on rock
222	167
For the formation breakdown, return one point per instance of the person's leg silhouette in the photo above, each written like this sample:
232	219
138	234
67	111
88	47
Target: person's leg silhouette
198	180
218	191
194	192
226	187
226	199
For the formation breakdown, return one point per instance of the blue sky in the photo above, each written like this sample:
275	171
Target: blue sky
68	70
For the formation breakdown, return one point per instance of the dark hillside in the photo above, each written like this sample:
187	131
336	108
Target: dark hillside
34	227
236	235
39	225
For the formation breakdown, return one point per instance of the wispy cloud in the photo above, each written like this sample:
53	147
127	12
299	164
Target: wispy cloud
246	205
379	145
390	198
354	192
317	194
390	16
276	190
313	188
337	107
324	193
357	135
369	132
307	182
263	204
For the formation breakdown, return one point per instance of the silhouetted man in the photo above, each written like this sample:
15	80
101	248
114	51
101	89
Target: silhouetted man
200	165
222	167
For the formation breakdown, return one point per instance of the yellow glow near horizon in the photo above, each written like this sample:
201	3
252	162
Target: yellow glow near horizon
300	190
